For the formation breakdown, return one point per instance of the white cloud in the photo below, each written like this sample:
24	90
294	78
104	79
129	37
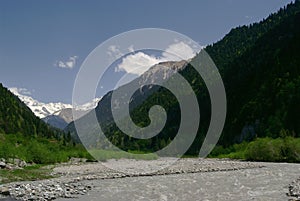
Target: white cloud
138	63
70	63
114	52
130	48
179	51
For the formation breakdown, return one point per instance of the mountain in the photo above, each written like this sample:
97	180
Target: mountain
259	65
40	109
16	117
55	121
61	118
58	114
155	74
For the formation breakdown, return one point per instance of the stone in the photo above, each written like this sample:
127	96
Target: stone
22	164
4	191
2	164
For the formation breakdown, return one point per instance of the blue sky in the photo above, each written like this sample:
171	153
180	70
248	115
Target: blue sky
39	40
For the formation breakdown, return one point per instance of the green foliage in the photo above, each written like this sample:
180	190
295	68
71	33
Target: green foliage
38	150
262	149
30	173
291	149
265	149
235	151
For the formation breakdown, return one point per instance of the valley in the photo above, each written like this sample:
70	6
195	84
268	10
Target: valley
57	151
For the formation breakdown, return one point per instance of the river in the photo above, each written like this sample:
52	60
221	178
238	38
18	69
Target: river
267	183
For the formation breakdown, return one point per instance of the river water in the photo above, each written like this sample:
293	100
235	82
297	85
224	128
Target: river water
267	183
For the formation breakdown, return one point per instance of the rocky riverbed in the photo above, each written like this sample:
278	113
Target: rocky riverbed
187	179
294	190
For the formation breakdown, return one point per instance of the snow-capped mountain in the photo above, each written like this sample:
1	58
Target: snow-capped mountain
40	109
43	110
89	105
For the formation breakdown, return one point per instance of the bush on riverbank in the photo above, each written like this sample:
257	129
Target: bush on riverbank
39	150
49	151
262	149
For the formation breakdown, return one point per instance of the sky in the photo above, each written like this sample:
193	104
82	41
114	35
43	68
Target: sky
43	43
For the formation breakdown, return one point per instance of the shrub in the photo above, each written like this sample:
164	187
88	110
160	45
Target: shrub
39	150
262	149
291	149
265	149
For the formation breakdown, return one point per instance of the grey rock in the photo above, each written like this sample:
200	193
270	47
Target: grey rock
2	164
294	190
4	191
17	162
8	199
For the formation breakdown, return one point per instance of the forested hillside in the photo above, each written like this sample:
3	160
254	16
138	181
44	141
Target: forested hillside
263	85
243	38
27	137
259	65
16	117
